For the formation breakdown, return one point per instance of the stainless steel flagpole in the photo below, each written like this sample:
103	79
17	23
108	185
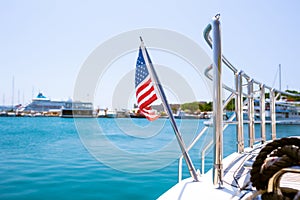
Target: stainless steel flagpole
167	108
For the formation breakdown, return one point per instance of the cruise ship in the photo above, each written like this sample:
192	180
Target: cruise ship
286	112
42	104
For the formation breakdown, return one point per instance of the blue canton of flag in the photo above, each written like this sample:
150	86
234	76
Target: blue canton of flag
141	69
145	92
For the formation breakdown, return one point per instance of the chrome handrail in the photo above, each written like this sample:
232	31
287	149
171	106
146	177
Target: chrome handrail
208	40
215	44
239	94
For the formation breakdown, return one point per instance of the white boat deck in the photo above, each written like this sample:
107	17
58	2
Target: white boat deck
188	189
236	176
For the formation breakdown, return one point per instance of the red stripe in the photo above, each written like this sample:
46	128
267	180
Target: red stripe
147	93
139	89
148	108
148	102
150	117
153	117
145	107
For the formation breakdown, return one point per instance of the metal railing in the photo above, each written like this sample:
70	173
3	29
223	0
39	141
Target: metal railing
243	97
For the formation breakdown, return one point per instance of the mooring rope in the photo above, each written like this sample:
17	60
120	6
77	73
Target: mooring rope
273	157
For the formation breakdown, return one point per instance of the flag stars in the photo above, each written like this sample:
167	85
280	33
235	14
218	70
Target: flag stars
141	70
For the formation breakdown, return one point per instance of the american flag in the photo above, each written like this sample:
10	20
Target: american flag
145	92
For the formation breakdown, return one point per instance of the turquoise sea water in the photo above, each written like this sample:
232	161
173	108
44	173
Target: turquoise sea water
48	158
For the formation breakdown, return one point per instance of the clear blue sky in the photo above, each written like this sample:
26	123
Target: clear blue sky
44	43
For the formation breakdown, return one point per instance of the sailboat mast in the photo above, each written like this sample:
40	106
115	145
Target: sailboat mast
13	92
280	77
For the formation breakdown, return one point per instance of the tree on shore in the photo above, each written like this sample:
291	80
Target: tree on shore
196	106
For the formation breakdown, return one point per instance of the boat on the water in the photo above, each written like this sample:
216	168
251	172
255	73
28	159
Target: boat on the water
182	115
136	113
111	113
260	168
287	112
41	104
77	109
